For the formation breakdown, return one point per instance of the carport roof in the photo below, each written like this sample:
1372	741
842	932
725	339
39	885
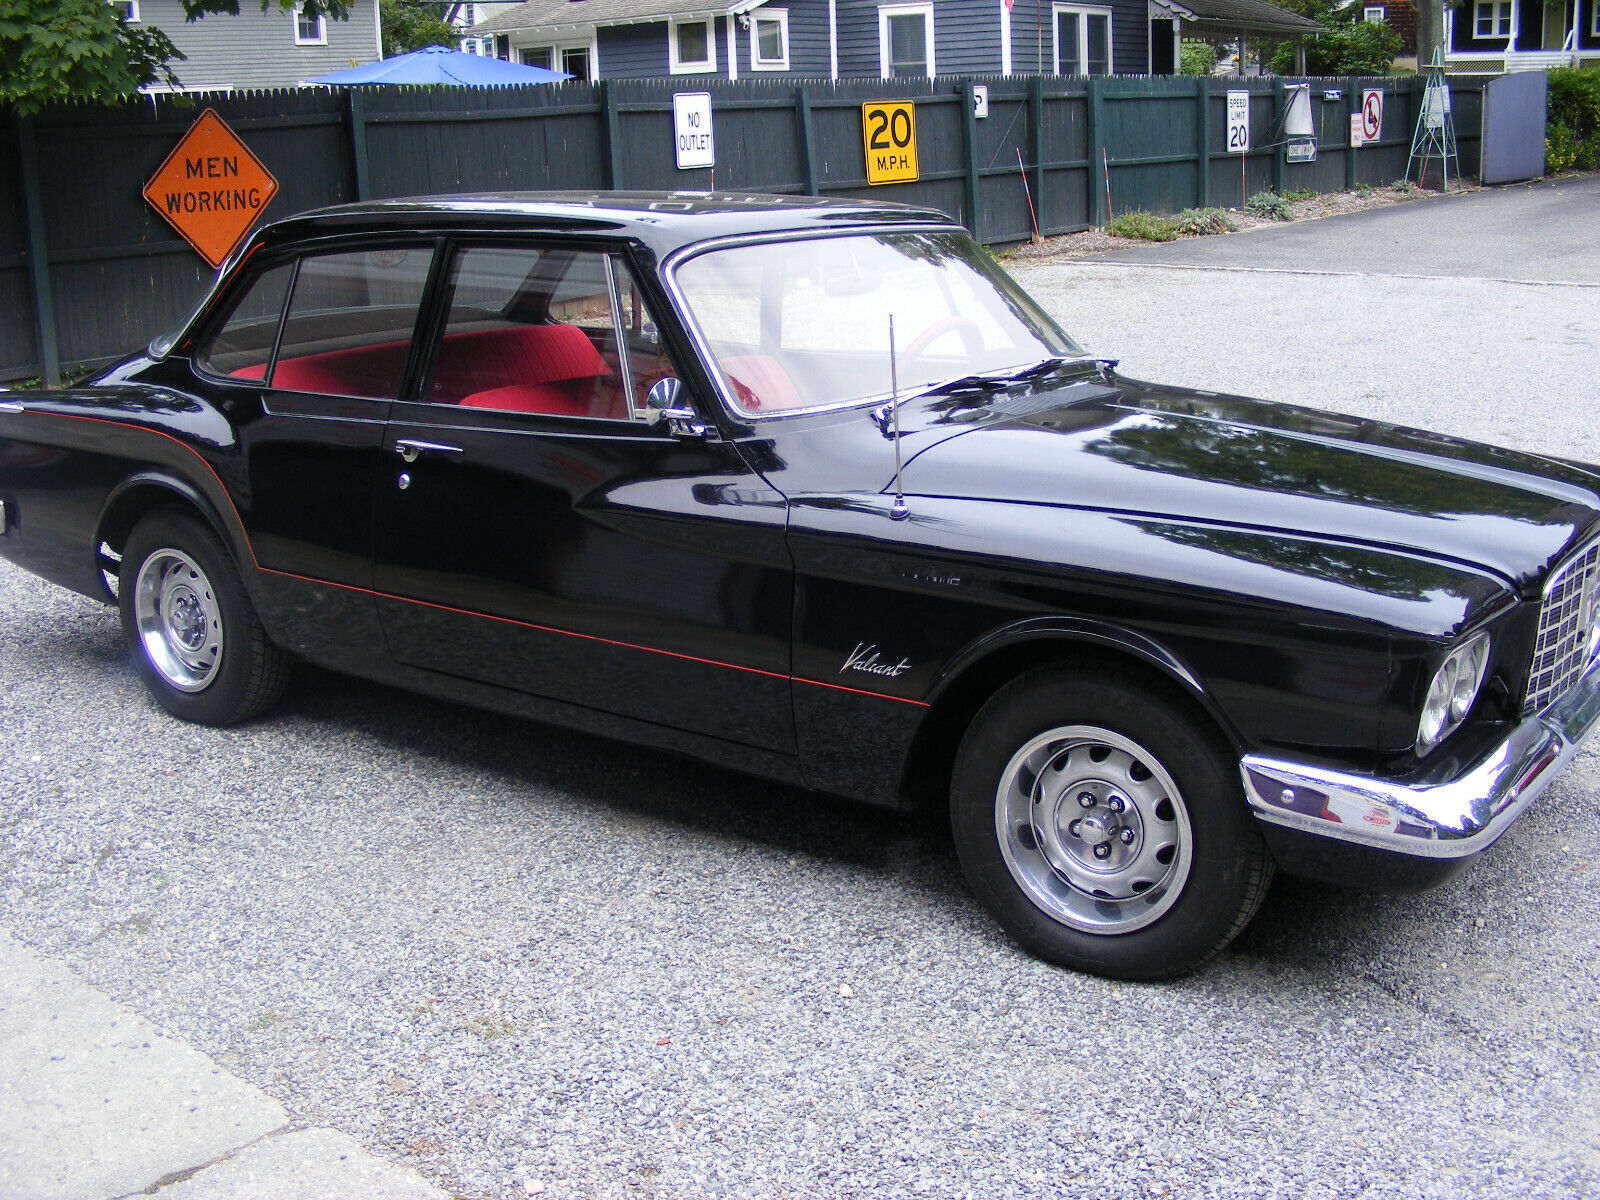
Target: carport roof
1230	16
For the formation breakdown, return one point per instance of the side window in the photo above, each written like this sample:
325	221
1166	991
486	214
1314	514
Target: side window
536	330
350	322
244	344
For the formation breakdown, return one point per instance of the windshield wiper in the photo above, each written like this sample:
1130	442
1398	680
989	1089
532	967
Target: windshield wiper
990	382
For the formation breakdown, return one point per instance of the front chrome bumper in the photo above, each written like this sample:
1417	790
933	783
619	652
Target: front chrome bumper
1453	819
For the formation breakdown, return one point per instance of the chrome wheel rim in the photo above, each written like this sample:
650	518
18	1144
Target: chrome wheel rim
1093	829
179	621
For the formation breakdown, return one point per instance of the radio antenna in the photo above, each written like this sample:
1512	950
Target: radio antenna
899	511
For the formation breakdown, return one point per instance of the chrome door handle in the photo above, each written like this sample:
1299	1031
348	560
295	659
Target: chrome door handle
410	448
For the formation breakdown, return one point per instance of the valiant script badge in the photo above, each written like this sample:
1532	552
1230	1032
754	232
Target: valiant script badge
866	659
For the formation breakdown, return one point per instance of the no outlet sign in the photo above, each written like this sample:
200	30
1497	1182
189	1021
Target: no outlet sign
691	127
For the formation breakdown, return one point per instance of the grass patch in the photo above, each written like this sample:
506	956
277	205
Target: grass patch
1294	194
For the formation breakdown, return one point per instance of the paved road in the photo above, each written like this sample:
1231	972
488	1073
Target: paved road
1543	231
532	963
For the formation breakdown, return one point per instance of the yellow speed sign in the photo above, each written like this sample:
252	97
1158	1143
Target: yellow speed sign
889	132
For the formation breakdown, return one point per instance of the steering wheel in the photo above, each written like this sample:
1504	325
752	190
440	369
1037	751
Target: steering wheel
971	338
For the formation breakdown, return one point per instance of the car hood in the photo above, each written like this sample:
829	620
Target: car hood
1225	460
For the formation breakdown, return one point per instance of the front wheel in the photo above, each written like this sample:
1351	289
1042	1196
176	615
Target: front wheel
196	640
1105	827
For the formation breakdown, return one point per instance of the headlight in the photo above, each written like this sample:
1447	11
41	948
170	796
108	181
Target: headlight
1452	692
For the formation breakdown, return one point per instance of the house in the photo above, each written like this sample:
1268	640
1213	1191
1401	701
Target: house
257	49
1490	36
856	39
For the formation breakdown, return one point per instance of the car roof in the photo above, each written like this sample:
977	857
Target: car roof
665	221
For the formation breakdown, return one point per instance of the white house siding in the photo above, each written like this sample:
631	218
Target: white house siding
257	49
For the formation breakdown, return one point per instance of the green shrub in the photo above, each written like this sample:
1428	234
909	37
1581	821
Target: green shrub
1404	186
1199	222
1197	58
1144	226
1363	189
1268	204
1572	123
1349	47
1293	194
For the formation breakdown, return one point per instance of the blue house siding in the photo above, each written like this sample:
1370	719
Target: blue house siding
966	37
808	39
858	39
632	51
966	40
1033	36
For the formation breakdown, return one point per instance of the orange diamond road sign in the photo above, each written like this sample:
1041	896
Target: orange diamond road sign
211	189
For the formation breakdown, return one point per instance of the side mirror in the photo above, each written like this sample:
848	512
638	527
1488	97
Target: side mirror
662	398
664	402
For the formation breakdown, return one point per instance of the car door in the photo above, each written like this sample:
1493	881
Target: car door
536	532
308	361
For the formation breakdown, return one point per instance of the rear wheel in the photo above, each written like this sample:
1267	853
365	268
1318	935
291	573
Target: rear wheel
195	636
1104	826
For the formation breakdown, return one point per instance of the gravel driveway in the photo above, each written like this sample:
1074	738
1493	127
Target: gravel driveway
530	962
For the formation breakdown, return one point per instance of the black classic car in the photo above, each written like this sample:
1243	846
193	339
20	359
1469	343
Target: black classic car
813	490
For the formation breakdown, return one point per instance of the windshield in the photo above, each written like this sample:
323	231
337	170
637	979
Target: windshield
804	324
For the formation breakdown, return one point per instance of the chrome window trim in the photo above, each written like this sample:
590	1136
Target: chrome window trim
691	323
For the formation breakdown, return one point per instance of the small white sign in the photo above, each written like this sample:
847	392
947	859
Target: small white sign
1435	106
1302	150
1358	137
1372	115
691	128
980	100
1238	122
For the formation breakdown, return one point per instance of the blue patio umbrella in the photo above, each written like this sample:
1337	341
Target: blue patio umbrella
439	64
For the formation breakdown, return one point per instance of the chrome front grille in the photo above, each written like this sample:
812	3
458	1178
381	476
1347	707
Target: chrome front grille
1566	627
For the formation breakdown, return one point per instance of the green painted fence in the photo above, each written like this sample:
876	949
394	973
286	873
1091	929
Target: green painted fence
88	270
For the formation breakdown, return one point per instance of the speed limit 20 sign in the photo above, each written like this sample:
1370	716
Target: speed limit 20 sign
1238	122
889	134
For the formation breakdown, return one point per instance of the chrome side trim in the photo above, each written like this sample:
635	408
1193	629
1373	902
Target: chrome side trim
10	406
1453	819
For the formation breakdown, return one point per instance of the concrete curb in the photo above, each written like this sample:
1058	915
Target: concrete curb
96	1104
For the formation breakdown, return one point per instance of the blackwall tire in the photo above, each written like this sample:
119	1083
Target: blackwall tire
196	640
1104	826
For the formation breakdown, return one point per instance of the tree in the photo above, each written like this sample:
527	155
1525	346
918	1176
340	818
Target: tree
1350	45
54	50
412	24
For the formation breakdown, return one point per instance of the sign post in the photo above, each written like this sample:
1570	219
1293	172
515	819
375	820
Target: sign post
889	140
211	189
693	141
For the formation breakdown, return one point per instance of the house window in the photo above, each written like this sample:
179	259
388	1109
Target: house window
575	62
905	41
692	47
1372	14
769	40
128	10
1491	18
309	29
538	56
1083	40
1594	18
